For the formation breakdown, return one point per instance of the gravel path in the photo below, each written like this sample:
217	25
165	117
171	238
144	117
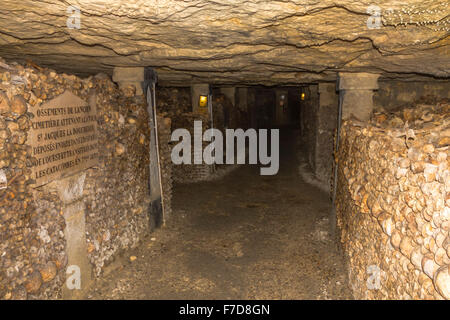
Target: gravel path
244	236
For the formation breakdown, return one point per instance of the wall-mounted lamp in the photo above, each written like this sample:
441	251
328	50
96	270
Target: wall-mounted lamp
302	96
203	101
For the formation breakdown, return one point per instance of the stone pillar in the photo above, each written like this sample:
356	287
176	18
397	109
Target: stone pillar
357	94
242	99
197	90
312	109
326	123
251	101
230	93
242	107
281	107
126	76
78	269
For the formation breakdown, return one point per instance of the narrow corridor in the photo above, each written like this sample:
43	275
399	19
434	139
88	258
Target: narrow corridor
244	236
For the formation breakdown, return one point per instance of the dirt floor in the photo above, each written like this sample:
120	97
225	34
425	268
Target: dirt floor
244	236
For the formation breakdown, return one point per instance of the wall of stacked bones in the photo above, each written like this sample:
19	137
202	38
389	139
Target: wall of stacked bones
393	203
174	103
32	241
33	256
393	196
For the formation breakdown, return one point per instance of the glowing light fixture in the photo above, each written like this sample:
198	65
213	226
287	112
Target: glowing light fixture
203	101
302	96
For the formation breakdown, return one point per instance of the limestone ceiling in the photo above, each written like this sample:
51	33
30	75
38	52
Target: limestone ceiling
231	41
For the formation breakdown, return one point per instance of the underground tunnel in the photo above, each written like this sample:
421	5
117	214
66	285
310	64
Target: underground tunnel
249	150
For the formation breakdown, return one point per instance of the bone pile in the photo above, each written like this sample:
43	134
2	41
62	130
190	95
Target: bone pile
33	256
393	203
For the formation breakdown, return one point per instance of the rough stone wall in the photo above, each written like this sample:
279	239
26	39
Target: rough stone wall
394	94
187	173
252	111
318	121
172	102
319	115
309	127
326	123
220	108
175	104
264	110
165	150
227	115
393	205
33	255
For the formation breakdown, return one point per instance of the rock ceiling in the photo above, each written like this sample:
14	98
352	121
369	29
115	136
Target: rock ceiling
231	41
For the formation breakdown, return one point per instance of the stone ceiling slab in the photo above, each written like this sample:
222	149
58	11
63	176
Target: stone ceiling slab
232	41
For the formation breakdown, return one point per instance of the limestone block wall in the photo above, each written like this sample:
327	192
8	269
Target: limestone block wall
33	244
393	203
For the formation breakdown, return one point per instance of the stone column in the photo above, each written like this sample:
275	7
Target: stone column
281	107
312	109
230	93
242	106
251	101
326	125
78	270
242	99
197	90
126	76
357	94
